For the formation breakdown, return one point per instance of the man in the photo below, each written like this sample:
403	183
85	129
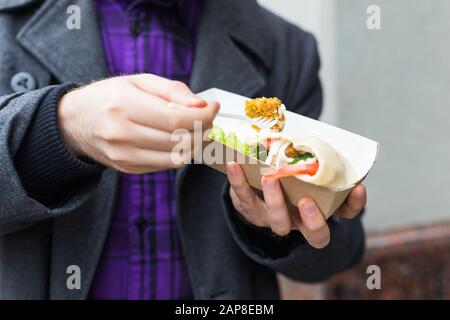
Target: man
88	179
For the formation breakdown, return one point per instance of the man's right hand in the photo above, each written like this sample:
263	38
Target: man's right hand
125	122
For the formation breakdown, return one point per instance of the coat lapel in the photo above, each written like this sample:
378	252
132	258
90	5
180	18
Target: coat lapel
73	56
13	4
219	61
77	56
70	55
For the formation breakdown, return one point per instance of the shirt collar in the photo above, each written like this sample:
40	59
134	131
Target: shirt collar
128	4
189	10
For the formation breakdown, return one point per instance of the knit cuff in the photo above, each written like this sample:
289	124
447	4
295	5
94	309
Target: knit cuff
44	164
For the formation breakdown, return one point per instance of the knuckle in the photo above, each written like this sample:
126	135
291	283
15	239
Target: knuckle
317	228
237	205
175	122
251	217
277	221
131	170
112	156
234	200
177	161
249	200
177	85
114	101
240	185
110	132
113	109
118	157
275	203
240	210
281	231
178	164
321	242
260	223
233	196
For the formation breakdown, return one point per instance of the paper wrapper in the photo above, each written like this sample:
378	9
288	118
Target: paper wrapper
359	152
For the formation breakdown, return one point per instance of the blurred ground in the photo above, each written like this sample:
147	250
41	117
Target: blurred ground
414	263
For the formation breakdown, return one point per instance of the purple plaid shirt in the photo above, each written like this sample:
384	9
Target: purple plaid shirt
142	258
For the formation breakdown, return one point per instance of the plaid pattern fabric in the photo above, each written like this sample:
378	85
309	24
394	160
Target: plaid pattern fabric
142	258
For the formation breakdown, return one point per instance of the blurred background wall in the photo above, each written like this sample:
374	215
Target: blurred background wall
391	85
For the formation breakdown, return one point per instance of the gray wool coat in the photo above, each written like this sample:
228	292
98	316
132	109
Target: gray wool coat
241	47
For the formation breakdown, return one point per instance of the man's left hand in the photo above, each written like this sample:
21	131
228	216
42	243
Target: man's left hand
281	217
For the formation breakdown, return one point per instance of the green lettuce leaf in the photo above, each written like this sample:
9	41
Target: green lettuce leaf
231	140
302	157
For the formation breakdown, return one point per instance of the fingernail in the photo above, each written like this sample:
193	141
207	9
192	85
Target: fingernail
194	99
309	208
231	169
197	100
360	192
217	108
270	184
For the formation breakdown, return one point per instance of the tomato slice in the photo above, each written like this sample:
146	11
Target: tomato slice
294	169
266	143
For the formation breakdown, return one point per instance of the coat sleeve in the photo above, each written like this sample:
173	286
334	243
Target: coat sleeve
292	255
25	164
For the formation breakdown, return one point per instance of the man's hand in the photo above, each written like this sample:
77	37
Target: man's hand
274	212
125	123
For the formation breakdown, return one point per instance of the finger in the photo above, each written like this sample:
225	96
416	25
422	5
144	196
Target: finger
169	90
313	224
152	139
355	202
136	169
152	111
277	211
191	118
130	157
253	216
146	109
239	184
235	200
